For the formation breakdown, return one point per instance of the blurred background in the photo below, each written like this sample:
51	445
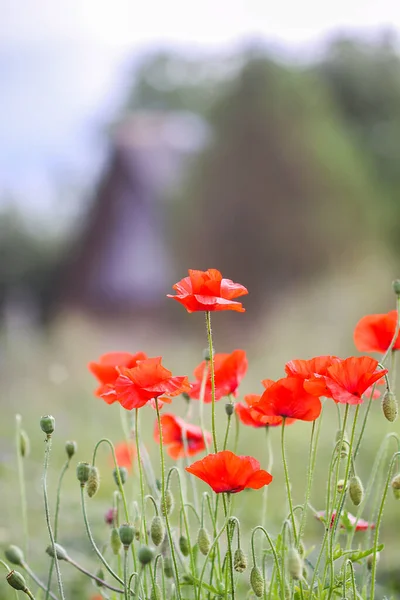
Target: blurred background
138	140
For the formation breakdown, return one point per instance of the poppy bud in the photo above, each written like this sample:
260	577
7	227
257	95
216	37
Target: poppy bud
145	555
203	541
344	448
157	530
184	545
83	472
389	406
295	564
396	286
370	560
137	525
123	473
340	486
239	561
305	572
257	582
356	490
167	503
168	569
93	482
186	397
47	424
155	593
126	534
206	354
395	483
115	541
110	515
14	555
60	552
229	409
24	443
99	575
302	549
17	581
71	448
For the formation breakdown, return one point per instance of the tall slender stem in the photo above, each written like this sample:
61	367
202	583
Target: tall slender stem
287	480
269	469
309	482
126	595
38	581
212	375
22	489
142	492
201	406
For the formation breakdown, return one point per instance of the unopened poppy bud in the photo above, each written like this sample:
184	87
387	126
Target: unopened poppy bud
370	560
47	424
186	397
14	555
206	354
356	490
257	582
295	564
93	483
123	473
184	545
203	541
60	552
71	448
115	541
396	286
239	561
126	534
168	568
137	524
157	530
99	575
83	472
110	515
167	503
145	555
17	581
389	406
340	486
155	593
395	483
344	447
229	409
24	443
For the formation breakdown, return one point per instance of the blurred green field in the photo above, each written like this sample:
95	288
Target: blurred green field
46	374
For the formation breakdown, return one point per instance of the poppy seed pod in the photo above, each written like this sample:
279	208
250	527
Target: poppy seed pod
370	560
203	541
126	534
155	593
184	545
167	503
356	490
239	561
24	443
145	555
168	569
71	448
123	473
93	482
60	552
229	409
389	406
295	564
14	555
395	483
157	530
396	286
83	472
17	581
115	541
257	582
47	424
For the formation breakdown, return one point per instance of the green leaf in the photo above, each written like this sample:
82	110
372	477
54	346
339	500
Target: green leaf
357	555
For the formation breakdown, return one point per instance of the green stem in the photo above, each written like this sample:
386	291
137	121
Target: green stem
287	481
94	577
126	595
212	375
276	559
38	581
201	407
309	482
228	425
215	541
165	511
230	555
47	514
22	488
142	491
269	469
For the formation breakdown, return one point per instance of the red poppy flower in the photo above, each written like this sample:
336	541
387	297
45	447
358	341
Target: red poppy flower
148	380
362	525
373	333
249	416
312	372
175	431
227	472
288	398
229	370
349	379
125	453
106	369
207	290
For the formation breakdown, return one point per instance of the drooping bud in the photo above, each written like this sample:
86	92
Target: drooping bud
229	409
47	424
70	448
203	541
396	286
239	561
186	397
115	541
123	473
389	406
370	560
167	503
14	555
295	564
395	483
157	530
206	354
17	581
168	568
356	490
24	443
93	482
340	486
145	555
257	582
83	472
61	553
99	575
126	534
184	545
344	447
155	593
